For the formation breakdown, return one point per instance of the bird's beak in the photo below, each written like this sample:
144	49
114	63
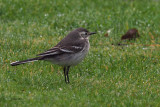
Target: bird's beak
91	33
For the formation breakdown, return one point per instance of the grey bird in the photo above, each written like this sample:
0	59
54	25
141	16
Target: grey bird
70	51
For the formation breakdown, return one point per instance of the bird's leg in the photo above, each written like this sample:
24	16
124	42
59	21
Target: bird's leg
67	73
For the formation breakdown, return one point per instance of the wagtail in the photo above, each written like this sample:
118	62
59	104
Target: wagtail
70	51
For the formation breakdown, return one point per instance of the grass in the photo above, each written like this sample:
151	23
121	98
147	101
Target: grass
109	76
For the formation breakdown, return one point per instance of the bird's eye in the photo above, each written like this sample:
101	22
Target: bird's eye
83	33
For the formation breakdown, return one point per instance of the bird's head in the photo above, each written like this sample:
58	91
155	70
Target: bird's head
84	33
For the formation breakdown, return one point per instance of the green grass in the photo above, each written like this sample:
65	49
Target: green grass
109	76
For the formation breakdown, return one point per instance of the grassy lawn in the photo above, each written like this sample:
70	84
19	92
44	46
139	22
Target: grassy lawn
110	75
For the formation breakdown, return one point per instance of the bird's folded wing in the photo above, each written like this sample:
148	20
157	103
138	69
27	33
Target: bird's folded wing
51	51
71	49
61	50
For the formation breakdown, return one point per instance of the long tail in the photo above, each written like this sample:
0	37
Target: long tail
25	61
